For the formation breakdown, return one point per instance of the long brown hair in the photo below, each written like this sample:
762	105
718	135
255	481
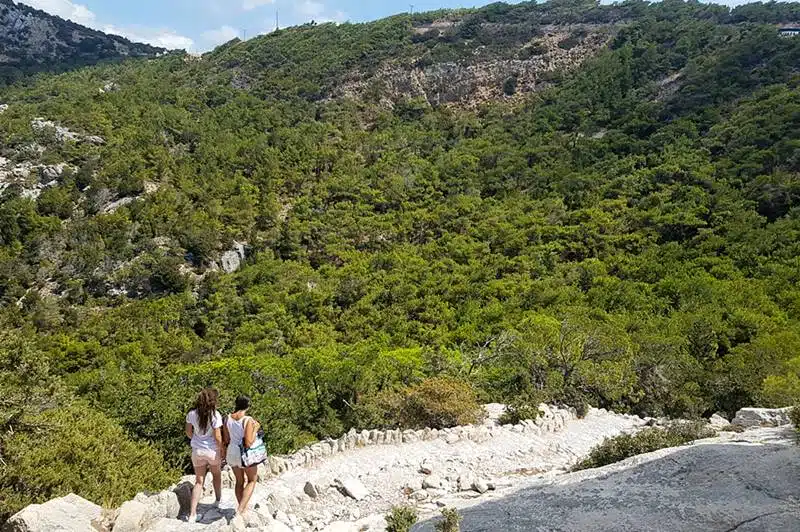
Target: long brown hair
206	405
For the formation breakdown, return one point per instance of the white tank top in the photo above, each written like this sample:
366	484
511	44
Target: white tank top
236	430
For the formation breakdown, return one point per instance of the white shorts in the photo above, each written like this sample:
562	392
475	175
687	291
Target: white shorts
234	456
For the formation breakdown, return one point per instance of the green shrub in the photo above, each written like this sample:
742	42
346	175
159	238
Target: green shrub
79	450
451	521
401	519
510	86
624	446
520	410
439	402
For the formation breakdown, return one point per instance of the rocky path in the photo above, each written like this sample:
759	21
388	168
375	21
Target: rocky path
499	477
353	489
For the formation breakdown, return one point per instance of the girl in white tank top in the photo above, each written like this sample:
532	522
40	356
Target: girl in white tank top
246	477
236	432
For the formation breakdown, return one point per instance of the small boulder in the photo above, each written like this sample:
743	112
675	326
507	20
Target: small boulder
65	514
311	490
432	482
133	516
481	486
464	482
718	421
762	417
354	488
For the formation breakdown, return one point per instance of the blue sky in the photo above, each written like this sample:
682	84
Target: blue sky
199	25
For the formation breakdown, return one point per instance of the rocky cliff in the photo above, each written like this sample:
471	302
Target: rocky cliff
32	41
525	66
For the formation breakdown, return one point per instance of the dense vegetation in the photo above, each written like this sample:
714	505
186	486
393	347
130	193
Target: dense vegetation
628	237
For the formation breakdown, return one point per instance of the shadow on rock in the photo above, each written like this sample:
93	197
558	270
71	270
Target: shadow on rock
709	487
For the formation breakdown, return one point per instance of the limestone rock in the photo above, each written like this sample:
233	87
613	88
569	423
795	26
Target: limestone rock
66	514
173	525
232	260
109	87
252	520
683	488
432	482
163	504
426	468
311	490
464	482
717	421
237	523
354	488
762	417
481	486
133	516
276	526
414	485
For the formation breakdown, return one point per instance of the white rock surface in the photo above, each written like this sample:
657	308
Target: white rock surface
232	260
762	417
354	488
62	134
66	514
717	421
3	108
743	482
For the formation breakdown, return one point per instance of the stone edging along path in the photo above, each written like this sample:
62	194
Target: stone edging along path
551	420
350	483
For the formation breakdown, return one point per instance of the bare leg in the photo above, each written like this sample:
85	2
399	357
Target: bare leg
197	491
238	472
216	477
252	476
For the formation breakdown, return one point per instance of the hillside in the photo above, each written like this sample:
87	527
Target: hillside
567	203
33	41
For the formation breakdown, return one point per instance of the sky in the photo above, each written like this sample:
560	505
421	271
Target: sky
200	25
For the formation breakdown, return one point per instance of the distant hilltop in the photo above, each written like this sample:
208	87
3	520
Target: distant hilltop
34	41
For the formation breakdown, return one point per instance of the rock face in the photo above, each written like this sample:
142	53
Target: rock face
718	485
480	78
67	514
762	417
232	260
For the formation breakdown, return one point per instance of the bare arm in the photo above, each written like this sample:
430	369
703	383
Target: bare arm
218	438
189	430
250	432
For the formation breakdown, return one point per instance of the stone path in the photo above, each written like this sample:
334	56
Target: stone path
485	462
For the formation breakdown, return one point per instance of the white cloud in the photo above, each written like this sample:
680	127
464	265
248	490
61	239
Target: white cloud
81	14
162	37
249	5
65	9
220	35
